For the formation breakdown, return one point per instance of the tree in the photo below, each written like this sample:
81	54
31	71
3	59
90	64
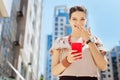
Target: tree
41	77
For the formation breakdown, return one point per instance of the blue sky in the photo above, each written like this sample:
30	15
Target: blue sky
103	16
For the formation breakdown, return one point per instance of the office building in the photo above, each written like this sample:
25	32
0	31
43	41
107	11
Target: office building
48	59
20	40
113	70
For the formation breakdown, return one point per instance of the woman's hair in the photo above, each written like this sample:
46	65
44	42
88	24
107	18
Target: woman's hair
77	8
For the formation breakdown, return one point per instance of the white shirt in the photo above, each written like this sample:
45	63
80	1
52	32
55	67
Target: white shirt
83	67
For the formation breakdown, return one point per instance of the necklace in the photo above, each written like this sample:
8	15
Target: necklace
69	41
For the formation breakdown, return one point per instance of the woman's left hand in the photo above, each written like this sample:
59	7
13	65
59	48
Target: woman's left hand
86	34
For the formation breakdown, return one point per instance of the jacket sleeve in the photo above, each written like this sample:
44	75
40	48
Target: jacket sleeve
100	45
59	43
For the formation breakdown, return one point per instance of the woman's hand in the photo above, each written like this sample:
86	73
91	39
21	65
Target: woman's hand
86	33
73	56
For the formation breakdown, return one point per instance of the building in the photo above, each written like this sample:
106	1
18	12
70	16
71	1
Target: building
5	8
1	55
113	71
108	74
20	40
61	28
29	39
61	23
48	59
68	29
8	46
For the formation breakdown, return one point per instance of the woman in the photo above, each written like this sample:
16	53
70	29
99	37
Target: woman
82	65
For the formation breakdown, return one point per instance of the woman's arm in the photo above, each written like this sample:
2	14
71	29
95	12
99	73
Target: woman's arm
57	67
98	56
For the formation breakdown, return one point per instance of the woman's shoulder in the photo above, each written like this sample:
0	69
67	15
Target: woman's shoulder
60	43
61	39
64	37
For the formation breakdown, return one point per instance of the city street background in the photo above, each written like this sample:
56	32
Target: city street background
29	27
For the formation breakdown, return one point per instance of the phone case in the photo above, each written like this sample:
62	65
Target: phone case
77	46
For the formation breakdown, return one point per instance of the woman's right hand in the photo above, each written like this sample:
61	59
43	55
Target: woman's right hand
74	55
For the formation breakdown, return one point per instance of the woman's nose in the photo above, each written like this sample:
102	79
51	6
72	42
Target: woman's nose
78	23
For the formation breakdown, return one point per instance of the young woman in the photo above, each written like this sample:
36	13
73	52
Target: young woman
81	65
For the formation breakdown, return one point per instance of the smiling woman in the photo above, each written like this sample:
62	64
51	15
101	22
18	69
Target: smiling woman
83	64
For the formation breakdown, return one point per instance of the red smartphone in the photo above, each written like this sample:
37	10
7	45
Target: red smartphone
77	46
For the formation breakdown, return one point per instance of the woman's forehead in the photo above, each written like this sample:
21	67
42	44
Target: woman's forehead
78	14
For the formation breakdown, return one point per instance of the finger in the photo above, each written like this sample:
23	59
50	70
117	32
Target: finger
77	54
78	58
89	30
79	27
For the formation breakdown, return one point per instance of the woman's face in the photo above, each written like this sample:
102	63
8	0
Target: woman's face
78	19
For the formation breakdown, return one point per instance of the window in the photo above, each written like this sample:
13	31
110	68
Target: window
56	24
55	38
56	33
34	24
30	13
20	13
35	6
118	54
108	70
28	38
104	76
56	19
61	24
61	33
50	40
61	20
23	70
109	75
118	48
108	65
32	41
56	29
61	28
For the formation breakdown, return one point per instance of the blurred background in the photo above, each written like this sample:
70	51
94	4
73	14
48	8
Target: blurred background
29	27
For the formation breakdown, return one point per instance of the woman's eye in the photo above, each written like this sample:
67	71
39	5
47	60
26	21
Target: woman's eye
73	19
82	19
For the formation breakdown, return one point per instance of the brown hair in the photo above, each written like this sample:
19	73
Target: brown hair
77	8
